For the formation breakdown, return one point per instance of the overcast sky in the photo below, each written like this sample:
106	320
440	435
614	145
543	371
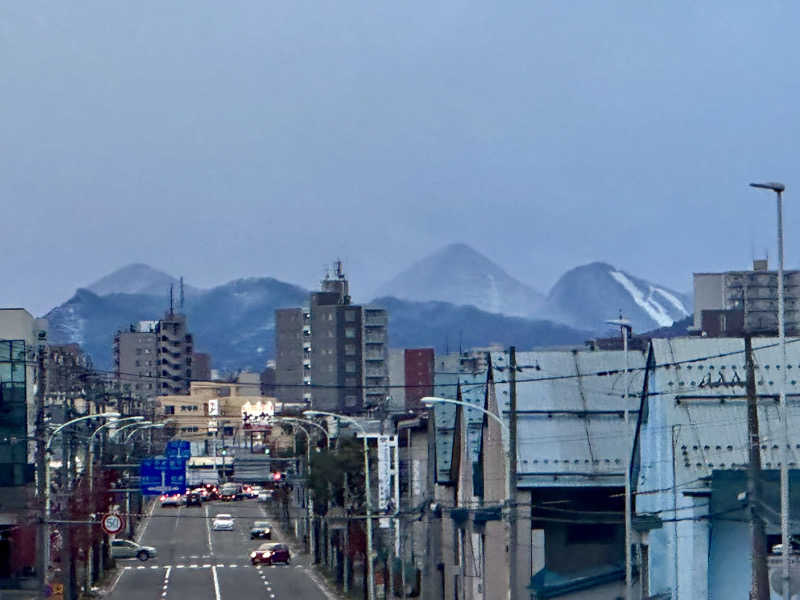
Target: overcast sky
227	139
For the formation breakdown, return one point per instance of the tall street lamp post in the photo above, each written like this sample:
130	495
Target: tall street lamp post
509	491
778	188
626	329
90	470
370	569
47	501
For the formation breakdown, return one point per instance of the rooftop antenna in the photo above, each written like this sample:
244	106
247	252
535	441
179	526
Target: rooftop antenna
181	296
171	299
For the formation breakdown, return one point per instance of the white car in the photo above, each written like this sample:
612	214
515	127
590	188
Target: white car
265	495
223	522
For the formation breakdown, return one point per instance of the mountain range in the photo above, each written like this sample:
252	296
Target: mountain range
455	297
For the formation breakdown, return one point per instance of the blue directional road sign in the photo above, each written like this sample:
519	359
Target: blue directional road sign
179	449
165	475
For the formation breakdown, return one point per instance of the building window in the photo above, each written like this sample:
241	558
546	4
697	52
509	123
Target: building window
350	349
350	316
350	366
351	381
169	409
350	332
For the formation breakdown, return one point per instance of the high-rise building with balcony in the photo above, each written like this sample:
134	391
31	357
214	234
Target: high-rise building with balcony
332	354
154	358
733	302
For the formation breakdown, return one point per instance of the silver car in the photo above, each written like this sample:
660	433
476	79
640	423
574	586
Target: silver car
130	549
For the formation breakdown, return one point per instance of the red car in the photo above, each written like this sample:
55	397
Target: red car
269	554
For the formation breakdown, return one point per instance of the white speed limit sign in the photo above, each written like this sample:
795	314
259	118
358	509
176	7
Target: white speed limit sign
112	523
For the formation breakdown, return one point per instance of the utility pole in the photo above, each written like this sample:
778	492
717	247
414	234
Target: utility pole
760	575
41	467
512	475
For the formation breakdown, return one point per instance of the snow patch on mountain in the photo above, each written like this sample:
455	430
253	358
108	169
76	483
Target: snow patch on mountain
649	304
672	299
72	325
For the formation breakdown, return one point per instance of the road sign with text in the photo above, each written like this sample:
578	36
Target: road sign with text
165	475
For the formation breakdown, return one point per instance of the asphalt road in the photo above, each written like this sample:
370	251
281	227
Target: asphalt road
197	563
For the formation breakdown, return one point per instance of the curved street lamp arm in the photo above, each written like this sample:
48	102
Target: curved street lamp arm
306	421
58	429
113	423
322	413
128	426
437	400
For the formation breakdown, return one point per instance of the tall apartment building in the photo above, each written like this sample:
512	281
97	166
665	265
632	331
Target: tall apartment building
22	338
729	303
154	357
331	353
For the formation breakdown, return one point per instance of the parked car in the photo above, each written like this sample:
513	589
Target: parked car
223	522
262	530
265	495
171	500
251	491
270	554
130	549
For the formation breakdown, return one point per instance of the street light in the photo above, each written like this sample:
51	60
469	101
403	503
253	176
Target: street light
370	569
626	329
142	427
310	501
129	426
56	431
429	400
778	188
90	465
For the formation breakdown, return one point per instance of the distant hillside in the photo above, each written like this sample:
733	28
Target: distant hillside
444	327
234	322
460	275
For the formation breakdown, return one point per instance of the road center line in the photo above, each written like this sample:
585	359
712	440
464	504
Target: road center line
208	531
216	583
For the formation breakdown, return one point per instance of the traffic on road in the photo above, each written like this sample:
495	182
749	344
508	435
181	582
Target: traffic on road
210	553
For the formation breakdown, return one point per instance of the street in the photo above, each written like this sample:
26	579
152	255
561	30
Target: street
195	562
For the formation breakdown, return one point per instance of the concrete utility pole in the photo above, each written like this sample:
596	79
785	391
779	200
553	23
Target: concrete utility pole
512	475
760	574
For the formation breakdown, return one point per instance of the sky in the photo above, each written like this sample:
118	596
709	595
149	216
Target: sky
222	140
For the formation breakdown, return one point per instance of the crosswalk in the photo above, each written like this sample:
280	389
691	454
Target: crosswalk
209	565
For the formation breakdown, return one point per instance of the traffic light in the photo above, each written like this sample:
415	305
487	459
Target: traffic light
276	476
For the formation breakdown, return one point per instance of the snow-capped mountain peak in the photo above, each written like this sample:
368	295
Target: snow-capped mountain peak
459	274
136	278
588	295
